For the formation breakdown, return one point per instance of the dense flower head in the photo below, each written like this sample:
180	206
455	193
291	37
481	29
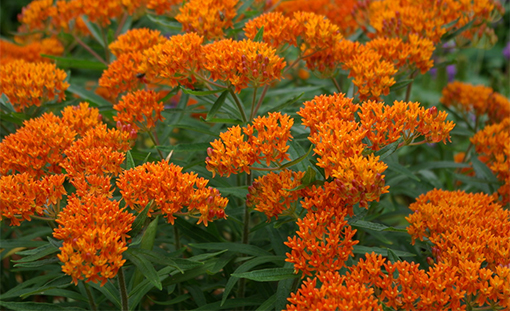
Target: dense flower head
323	242
278	29
335	292
102	13
316	31
415	53
208	18
326	197
342	13
136	40
267	139
22	195
31	51
170	191
242	63
94	230
32	84
476	98
324	107
121	75
463	227
163	6
37	147
141	109
100	151
173	62
36	14
81	118
273	194
68	18
493	144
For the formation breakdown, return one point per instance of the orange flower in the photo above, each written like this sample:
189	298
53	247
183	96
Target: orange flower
94	230
272	193
32	84
68	18
493	143
278	29
141	109
164	6
81	118
172	192
231	154
324	242
36	14
463	227
336	292
207	18
173	62
101	13
477	98
136	40
242	63
316	31
36	148
121	75
22	196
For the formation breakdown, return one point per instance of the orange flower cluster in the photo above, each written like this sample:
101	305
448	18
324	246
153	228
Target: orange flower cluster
172	192
121	75
37	147
22	195
403	17
273	194
336	292
81	118
242	63
324	242
163	6
94	230
231	154
278	29
141	109
478	99
101	13
30	52
136	40
32	84
493	143
208	18
173	62
463	227
415	53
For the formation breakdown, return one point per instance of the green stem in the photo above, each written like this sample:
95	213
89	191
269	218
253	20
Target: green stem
264	91
121	24
156	144
123	290
336	84
409	86
246	240
92	304
90	50
252	112
238	104
106	50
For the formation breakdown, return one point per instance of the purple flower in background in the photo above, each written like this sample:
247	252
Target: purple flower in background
451	71
433	72
506	51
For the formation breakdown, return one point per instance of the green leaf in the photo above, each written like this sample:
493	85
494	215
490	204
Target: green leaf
260	35
88	95
437	164
38	253
392	256
374	226
165	260
401	84
6	104
192	128
230	304
172	301
130	163
286	103
38	263
400	169
160	20
361	250
149	235
94	30
24	287
388	149
201	93
217	105
69	62
144	266
38	306
234	247
283	290
245	267
268	304
186	147
195	232
238	192
226	121
268	275
296	161
139	222
483	172
448	36
110	291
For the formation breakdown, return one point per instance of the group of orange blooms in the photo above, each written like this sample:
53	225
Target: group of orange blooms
470	231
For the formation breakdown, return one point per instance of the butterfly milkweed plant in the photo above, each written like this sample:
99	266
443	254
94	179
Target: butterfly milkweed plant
255	155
